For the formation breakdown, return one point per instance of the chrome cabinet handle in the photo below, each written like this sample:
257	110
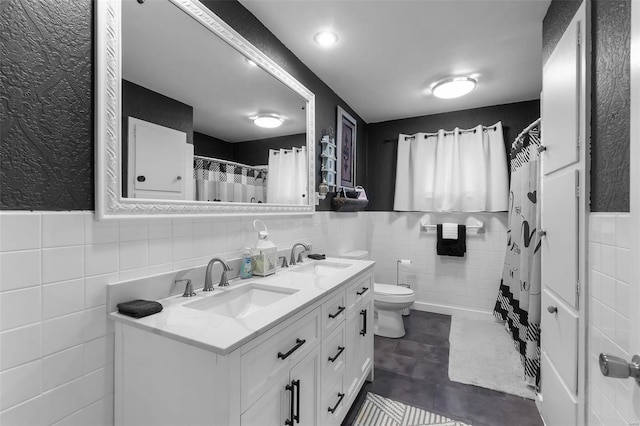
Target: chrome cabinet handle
552	309
618	368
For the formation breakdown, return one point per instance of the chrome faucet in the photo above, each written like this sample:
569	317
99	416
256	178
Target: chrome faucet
208	284
292	261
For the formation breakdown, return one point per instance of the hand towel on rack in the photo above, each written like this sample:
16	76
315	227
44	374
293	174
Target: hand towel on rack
451	247
450	231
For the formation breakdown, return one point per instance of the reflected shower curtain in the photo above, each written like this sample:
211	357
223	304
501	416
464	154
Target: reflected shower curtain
518	301
459	170
287	181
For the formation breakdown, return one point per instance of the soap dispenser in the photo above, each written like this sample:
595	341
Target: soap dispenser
264	255
245	264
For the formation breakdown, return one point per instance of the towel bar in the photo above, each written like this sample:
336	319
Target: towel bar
479	227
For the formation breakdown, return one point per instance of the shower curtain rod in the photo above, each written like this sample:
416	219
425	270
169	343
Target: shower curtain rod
449	132
528	128
231	163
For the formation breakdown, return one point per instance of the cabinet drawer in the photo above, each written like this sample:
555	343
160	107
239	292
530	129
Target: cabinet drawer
263	363
560	339
333	354
361	289
334	312
559	406
333	403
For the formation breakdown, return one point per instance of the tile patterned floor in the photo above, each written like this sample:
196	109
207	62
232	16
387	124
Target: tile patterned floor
414	370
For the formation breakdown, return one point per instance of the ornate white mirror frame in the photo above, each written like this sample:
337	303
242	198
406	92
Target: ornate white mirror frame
108	94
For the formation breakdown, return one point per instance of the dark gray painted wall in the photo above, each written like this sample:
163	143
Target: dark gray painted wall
208	146
610	94
46	151
611	105
383	147
46	128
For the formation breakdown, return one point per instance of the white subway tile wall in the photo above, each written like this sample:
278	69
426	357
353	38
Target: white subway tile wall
441	283
610	402
56	343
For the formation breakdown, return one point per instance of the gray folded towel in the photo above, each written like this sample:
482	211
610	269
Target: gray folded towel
139	308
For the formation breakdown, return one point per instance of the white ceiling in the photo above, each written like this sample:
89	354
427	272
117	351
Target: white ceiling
390	51
165	50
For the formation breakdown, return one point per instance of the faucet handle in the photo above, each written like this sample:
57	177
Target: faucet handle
300	256
188	289
284	263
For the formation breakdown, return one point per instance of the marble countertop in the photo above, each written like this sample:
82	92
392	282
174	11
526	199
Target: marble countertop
222	334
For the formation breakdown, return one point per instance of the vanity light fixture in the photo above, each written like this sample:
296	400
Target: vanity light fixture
326	38
267	121
453	87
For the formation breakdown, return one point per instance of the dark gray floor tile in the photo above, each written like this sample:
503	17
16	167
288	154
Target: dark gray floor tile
394	362
469	403
432	372
415	370
423	351
384	344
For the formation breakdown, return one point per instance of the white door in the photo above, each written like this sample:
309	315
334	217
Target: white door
564	206
156	160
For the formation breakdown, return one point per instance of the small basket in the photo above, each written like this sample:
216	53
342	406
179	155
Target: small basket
406	311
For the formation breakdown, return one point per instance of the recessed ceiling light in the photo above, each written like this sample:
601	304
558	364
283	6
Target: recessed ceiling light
267	121
326	38
453	87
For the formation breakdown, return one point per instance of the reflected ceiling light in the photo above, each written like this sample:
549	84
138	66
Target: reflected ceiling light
326	38
453	87
267	121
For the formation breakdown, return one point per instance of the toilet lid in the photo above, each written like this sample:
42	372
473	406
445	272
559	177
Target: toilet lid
391	289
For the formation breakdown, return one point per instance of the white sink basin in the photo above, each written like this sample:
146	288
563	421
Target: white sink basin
241	302
324	269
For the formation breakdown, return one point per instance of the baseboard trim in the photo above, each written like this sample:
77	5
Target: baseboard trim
450	310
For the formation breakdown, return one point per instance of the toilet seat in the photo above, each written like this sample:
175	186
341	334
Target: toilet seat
392	293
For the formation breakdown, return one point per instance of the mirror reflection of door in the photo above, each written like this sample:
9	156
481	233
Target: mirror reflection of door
190	80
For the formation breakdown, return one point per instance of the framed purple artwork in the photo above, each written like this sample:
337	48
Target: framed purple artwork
346	141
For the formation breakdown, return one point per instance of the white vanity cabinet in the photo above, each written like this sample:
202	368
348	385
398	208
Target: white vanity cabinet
306	370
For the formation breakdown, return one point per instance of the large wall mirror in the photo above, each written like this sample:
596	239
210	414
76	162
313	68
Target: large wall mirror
193	119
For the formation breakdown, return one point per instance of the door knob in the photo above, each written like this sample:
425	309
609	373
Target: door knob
552	309
618	368
141	178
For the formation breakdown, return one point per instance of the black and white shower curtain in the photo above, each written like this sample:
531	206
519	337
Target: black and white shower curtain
518	303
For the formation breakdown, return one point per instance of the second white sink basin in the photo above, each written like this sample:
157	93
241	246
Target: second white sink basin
325	269
241	302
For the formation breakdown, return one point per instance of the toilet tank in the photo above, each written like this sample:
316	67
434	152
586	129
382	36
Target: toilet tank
356	254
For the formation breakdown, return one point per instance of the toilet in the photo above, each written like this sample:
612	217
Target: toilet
388	302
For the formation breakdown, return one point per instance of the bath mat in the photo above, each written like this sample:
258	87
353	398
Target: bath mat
482	353
377	410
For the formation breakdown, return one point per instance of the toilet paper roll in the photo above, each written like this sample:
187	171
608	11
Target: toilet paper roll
404	262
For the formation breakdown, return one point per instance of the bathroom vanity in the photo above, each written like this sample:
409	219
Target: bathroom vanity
293	348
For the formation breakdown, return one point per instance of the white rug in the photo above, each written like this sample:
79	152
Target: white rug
482	353
380	411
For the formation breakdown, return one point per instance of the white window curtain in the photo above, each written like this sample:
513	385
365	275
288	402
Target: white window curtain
287	178
449	171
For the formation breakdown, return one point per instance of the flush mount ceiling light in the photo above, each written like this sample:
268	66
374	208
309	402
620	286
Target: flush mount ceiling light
267	121
326	38
453	87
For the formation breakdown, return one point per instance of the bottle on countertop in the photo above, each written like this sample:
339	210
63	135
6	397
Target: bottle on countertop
245	264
